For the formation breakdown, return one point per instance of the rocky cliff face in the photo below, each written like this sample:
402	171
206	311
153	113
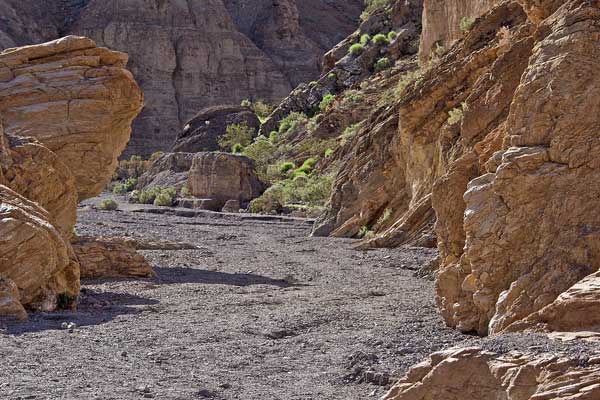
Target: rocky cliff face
75	102
492	145
191	54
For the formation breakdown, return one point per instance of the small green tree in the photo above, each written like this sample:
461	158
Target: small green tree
236	134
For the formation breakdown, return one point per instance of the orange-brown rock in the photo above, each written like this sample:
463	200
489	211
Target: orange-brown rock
442	20
475	374
75	98
34	254
530	222
223	177
110	258
10	305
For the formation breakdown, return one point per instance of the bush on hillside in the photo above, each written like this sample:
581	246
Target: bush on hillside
236	134
380	40
356	49
108	205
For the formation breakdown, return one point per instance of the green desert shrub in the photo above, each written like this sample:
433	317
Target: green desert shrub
185	192
291	122
326	102
365	232
125	187
236	134
329	152
263	152
466	23
380	40
349	133
262	109
313	190
392	35
365	39
382	63
286	167
165	198
108	205
356	49
246	103
306	167
387	213
373	5
273	136
455	116
237	148
332	76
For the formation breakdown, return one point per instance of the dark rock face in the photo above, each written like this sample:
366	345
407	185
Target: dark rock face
204	130
188	55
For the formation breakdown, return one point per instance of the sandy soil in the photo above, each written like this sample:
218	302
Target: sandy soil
258	311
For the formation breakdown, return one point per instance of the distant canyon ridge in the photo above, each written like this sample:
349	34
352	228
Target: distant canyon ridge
190	54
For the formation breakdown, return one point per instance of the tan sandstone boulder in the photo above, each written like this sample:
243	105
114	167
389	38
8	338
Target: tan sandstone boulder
475	374
110	258
10	305
35	256
223	177
76	99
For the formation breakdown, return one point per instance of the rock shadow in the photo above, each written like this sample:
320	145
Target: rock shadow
95	308
176	275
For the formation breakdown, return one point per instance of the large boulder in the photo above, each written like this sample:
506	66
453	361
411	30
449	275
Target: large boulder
202	133
10	305
110	258
170	170
476	374
75	98
223	177
34	254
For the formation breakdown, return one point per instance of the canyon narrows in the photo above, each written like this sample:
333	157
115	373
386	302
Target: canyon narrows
392	199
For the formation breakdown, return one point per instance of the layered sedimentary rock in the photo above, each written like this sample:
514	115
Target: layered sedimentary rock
188	55
476	374
223	177
66	107
35	256
76	99
531	221
202	132
10	305
110	258
444	22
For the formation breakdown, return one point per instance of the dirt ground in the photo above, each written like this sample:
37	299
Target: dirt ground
259	310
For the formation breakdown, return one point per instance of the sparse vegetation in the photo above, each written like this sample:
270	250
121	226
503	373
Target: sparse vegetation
149	196
108	205
407	79
365	232
380	40
392	35
439	50
365	39
326	102
329	152
286	167
381	64
349	133
236	134
125	187
332	76
356	49
466	23
455	116
373	5
262	110
291	122
387	213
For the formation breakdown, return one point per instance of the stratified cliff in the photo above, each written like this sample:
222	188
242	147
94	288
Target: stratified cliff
191	54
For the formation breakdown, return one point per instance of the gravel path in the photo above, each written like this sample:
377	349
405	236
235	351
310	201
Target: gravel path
259	311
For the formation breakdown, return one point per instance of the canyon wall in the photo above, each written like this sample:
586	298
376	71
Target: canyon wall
187	55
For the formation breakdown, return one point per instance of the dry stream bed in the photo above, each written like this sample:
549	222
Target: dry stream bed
259	310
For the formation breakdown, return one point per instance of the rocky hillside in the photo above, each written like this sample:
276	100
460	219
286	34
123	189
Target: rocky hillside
187	55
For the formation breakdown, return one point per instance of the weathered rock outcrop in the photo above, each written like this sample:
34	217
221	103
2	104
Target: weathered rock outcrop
202	132
188	55
35	256
75	98
110	258
498	139
442	20
223	177
10	305
530	222
170	170
475	374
